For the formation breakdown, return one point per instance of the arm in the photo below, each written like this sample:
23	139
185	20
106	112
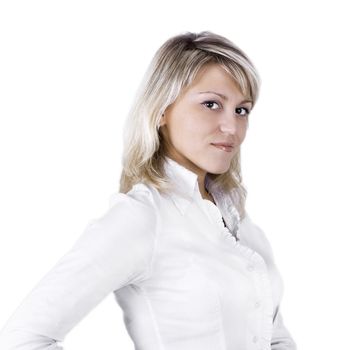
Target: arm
113	251
255	237
281	338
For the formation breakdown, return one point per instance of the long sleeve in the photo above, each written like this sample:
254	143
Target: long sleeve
281	338
113	251
256	238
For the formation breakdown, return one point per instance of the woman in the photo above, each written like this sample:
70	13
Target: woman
188	267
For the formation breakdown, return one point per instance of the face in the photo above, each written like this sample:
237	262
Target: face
209	111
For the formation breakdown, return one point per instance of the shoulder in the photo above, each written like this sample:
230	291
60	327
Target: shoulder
252	235
131	218
139	197
130	210
121	242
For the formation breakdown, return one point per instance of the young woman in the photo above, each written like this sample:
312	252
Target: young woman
187	265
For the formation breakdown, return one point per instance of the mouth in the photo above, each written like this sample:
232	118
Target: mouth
223	147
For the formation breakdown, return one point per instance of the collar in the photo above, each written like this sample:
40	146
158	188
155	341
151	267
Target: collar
185	184
186	190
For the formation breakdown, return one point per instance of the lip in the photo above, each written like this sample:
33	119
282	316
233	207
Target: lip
227	147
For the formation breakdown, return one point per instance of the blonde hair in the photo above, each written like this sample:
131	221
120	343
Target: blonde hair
173	68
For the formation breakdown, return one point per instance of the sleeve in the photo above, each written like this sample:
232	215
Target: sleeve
113	251
281	338
256	238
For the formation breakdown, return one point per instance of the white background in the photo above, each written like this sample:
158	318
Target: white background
68	74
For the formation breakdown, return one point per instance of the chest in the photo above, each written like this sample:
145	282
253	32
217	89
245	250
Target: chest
201	266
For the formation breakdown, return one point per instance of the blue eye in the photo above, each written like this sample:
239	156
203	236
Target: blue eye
245	110
211	104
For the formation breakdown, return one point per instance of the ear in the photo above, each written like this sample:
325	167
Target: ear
162	120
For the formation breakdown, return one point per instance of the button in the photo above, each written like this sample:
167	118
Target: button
250	267
255	339
257	304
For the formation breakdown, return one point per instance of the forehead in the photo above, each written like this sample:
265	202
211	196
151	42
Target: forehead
213	77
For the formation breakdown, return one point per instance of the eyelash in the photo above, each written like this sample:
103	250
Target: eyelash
211	101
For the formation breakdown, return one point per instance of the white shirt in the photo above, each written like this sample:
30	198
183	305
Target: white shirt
183	280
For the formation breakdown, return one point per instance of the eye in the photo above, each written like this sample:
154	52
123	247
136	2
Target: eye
211	104
243	110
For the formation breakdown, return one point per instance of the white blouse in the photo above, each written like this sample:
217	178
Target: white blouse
183	279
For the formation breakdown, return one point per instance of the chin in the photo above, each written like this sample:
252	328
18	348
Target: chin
218	170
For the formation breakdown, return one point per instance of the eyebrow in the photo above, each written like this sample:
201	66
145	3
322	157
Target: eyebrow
224	96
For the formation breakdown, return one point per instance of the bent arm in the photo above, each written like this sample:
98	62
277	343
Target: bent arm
112	252
281	338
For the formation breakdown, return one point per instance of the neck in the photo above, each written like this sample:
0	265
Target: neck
204	193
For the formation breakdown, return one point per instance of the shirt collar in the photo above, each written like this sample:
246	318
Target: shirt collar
185	184
186	190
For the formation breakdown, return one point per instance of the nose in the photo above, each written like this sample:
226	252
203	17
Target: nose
229	123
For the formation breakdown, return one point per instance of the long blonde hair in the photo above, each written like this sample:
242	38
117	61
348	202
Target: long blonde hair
174	67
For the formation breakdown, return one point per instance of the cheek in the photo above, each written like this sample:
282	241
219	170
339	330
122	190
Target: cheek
188	127
198	131
241	132
191	127
181	132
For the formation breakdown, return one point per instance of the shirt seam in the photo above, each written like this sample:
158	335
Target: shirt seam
222	335
150	266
